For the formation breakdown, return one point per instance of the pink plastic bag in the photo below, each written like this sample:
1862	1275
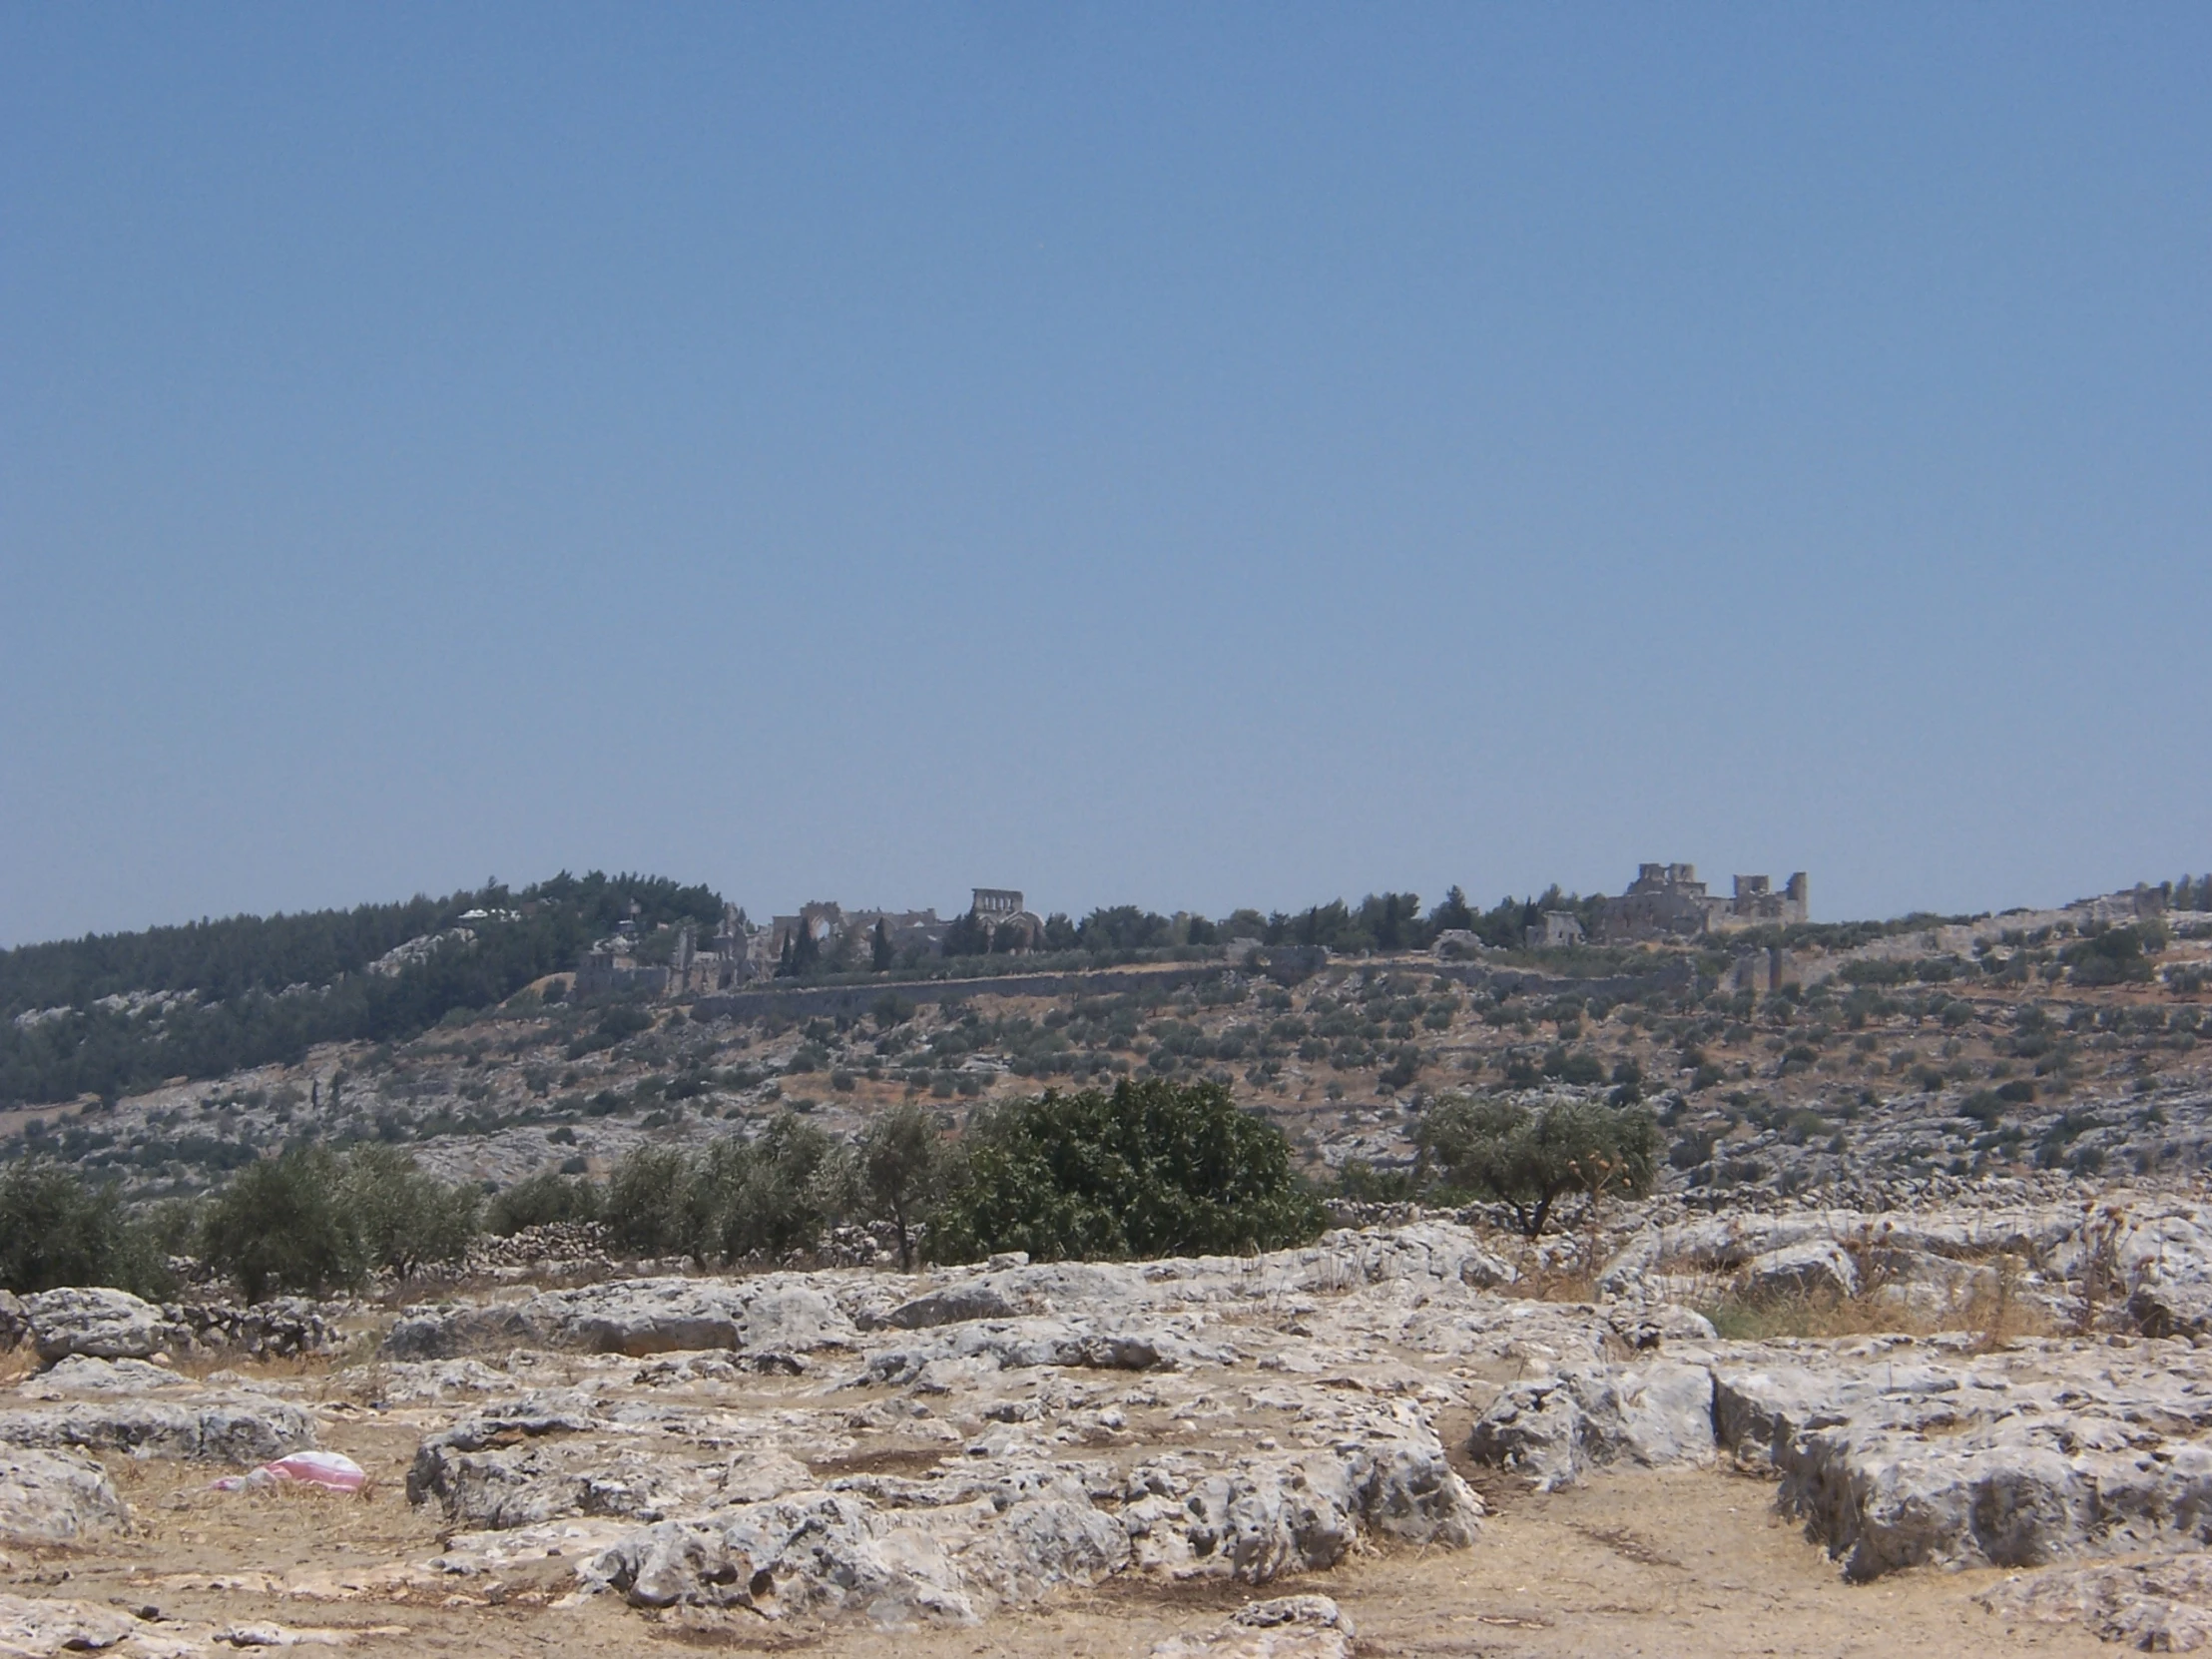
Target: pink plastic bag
314	1468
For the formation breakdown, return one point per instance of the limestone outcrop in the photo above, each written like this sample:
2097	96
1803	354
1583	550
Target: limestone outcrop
55	1497
100	1324
942	1447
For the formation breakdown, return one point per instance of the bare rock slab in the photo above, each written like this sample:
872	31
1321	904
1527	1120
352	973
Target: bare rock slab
56	1497
226	1428
2162	1606
1285	1627
100	1324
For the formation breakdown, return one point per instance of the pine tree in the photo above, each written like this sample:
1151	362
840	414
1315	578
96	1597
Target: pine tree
805	951
880	948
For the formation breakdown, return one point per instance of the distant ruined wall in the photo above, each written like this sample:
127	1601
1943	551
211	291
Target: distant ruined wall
810	1001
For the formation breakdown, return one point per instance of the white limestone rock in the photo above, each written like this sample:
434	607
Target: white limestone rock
808	1554
2160	1607
1811	1266
227	1427
78	1375
98	1322
1553	1429
55	1497
39	1627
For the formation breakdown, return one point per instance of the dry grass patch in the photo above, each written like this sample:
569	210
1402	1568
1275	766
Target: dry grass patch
1994	1317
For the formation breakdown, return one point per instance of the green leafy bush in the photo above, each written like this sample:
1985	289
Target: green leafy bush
1360	1182
1152	1169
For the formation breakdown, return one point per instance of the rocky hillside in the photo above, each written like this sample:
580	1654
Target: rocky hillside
1933	1075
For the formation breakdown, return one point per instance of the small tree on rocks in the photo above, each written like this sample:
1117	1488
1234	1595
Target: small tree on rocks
901	1163
1152	1169
1529	1160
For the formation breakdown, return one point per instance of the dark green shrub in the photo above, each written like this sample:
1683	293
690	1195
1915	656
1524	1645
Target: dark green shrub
1152	1169
1983	1106
624	1019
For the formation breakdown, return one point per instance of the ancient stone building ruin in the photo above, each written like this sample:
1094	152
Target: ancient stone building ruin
1669	902
611	965
1556	931
608	967
1756	901
1001	911
912	932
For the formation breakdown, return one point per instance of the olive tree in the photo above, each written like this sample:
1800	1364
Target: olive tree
736	1198
55	1229
279	1226
900	1163
1528	1159
646	1201
545	1197
399	1216
773	1194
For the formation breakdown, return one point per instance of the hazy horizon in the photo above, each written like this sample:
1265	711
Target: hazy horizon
1244	458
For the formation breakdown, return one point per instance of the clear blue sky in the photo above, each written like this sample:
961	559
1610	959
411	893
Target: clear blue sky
1195	456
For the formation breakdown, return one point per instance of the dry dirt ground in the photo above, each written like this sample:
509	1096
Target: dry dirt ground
1636	1563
